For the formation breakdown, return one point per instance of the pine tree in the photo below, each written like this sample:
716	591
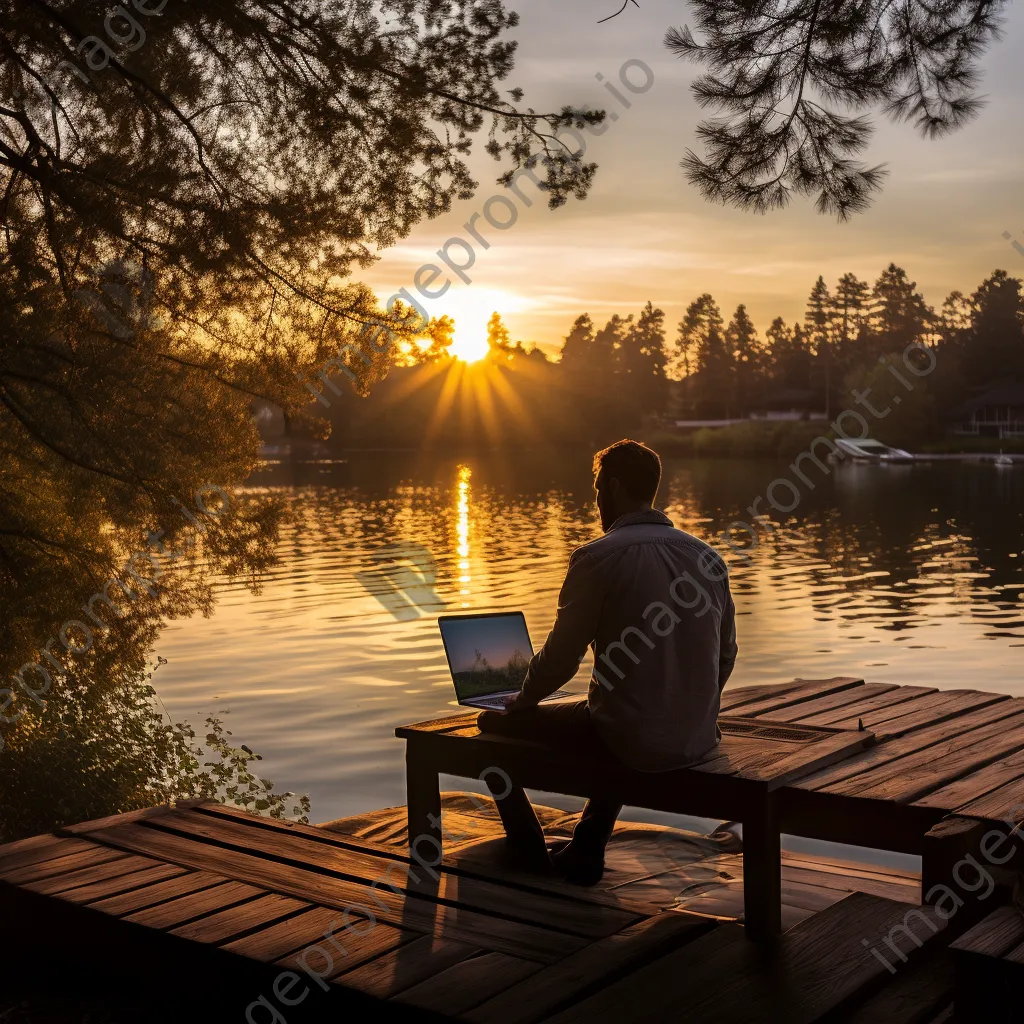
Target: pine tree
898	314
820	315
576	354
748	358
607	343
790	356
850	305
642	360
789	85
994	342
700	317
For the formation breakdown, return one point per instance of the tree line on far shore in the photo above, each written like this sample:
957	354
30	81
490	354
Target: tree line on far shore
629	371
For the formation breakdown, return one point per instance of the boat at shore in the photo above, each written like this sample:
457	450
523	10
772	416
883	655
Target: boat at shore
867	449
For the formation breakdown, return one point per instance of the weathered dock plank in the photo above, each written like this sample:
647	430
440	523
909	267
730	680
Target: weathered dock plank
818	966
394	972
832	702
464	985
888	751
111	883
150	894
551	911
976	784
937	764
811	689
186	908
417	913
593	967
869	710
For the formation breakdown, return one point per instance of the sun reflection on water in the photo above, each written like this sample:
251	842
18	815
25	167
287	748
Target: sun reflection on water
463	530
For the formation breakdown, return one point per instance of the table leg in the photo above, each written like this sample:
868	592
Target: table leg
423	796
762	873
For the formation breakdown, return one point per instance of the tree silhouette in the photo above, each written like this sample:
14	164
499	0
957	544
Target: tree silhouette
748	358
791	81
576	355
499	341
850	306
898	313
641	360
701	316
820	313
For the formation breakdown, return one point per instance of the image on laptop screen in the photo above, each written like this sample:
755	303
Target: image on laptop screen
486	653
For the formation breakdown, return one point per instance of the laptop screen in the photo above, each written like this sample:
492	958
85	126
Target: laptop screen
486	653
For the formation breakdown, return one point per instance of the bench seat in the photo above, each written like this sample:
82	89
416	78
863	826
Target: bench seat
736	781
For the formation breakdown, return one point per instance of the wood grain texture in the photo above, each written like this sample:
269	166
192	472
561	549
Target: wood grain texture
1005	805
233	922
459	862
114	868
37	849
947	705
977	783
829	702
417	913
810	689
913	775
740	696
61	865
898	700
816	968
186	908
550	911
914	996
280	939
994	936
150	895
468	983
410	964
110	886
365	946
592	967
887	751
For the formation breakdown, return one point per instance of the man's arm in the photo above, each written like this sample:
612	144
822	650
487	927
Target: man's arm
727	647
579	604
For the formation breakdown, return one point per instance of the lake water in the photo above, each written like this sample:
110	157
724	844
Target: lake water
904	575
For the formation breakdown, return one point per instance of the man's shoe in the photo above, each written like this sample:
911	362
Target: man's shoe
577	868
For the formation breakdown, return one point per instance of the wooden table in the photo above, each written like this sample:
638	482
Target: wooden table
739	780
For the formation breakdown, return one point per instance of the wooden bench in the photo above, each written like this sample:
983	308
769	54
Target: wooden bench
738	781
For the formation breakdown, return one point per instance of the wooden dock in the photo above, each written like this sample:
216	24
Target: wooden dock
283	922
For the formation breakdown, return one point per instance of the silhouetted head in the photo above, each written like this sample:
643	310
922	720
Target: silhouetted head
626	478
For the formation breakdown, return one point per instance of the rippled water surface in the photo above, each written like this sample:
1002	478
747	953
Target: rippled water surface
905	575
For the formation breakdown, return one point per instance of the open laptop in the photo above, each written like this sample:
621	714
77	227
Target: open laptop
488	654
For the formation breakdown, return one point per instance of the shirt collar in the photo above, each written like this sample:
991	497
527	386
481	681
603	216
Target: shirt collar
652	516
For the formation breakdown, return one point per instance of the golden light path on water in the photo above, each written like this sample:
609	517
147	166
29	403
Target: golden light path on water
896	577
462	548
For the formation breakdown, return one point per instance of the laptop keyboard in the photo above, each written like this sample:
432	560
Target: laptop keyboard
499	705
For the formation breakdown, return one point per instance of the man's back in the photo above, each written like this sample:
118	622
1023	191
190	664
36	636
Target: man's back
654	603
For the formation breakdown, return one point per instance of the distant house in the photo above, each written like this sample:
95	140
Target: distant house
996	412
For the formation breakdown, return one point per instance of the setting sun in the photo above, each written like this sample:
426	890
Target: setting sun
470	343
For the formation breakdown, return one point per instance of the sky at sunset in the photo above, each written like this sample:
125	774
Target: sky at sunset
645	233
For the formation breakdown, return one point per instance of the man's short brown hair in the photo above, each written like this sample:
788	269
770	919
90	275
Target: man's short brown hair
634	465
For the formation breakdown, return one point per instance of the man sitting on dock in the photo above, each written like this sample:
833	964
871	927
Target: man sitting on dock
654	604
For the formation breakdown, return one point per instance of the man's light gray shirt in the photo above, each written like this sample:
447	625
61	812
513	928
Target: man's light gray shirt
653	603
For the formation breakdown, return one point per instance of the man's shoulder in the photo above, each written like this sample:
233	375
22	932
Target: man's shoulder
691	547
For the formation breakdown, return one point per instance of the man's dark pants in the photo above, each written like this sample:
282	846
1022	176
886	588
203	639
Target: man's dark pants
567	727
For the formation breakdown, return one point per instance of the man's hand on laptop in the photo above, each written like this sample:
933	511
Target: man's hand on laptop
516	702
